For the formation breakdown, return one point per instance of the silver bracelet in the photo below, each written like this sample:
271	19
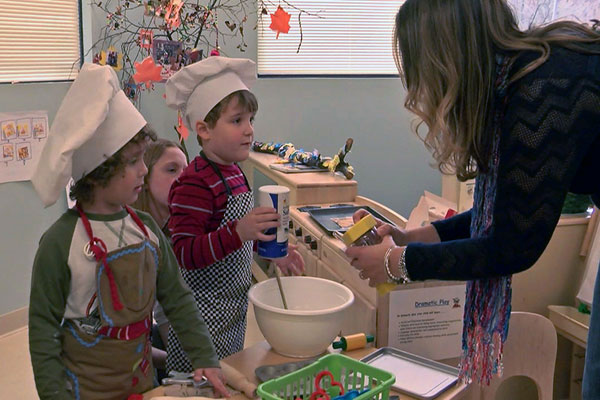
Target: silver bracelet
402	267
386	260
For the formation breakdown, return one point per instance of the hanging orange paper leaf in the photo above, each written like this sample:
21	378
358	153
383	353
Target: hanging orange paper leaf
280	21
147	72
181	129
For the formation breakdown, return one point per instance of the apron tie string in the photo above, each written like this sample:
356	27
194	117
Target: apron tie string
98	247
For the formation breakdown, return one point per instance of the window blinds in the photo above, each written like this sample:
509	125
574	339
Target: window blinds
349	37
39	40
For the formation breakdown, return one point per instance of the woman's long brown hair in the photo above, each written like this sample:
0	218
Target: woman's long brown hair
445	51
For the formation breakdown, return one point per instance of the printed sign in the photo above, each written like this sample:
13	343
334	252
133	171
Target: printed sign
427	321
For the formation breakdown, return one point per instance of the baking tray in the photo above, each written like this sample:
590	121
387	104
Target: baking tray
415	375
267	372
323	216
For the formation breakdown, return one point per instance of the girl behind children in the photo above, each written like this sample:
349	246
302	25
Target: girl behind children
165	160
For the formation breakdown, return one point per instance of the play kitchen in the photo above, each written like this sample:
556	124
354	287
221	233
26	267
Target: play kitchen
321	206
331	312
326	332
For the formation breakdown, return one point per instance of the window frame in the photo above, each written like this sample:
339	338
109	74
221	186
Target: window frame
77	63
263	30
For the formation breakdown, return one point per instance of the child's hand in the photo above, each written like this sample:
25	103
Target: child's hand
258	220
215	377
292	264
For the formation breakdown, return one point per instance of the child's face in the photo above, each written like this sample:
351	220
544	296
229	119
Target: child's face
125	186
168	168
230	139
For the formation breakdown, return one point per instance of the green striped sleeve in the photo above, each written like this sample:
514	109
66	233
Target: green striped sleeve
50	284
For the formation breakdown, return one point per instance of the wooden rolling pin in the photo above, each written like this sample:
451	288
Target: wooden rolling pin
353	342
238	381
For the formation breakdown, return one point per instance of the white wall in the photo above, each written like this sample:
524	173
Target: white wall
391	164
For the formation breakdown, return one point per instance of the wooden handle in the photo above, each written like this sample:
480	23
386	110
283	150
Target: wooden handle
238	381
356	341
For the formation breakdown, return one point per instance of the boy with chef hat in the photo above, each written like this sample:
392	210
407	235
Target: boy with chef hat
213	220
101	265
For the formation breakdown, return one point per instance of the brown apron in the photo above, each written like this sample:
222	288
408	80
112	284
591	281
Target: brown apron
116	361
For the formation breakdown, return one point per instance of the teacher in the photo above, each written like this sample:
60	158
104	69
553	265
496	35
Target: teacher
520	112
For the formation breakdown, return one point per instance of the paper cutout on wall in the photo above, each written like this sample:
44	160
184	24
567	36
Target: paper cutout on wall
147	72
172	18
181	129
280	21
111	57
145	38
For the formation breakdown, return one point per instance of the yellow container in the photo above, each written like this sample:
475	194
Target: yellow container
364	233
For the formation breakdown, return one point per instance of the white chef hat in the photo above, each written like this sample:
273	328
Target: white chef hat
94	121
198	87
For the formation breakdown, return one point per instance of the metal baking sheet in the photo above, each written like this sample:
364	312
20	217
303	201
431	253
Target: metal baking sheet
323	216
267	372
416	376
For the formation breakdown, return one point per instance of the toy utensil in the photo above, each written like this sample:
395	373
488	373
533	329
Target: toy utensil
238	381
320	393
350	394
353	342
280	287
182	378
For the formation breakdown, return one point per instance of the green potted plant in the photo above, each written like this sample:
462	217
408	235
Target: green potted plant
576	203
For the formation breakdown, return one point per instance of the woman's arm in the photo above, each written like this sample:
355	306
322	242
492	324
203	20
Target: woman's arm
547	130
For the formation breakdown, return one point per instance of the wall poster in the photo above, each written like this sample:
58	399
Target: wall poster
22	137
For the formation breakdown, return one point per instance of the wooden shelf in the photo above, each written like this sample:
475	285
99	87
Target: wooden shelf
570	323
305	187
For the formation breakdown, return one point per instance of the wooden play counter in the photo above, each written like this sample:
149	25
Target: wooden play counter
259	354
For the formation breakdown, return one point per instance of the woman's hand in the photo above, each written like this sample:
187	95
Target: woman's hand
293	263
216	378
369	260
399	235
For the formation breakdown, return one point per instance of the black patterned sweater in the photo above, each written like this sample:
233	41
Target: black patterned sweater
549	145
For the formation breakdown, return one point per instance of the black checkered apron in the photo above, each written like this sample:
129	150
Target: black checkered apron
221	293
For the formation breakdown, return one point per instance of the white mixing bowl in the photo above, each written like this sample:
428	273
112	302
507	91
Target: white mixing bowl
314	317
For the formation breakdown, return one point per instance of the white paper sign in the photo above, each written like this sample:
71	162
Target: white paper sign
586	291
427	321
22	139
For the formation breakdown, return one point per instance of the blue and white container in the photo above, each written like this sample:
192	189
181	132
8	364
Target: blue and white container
277	197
